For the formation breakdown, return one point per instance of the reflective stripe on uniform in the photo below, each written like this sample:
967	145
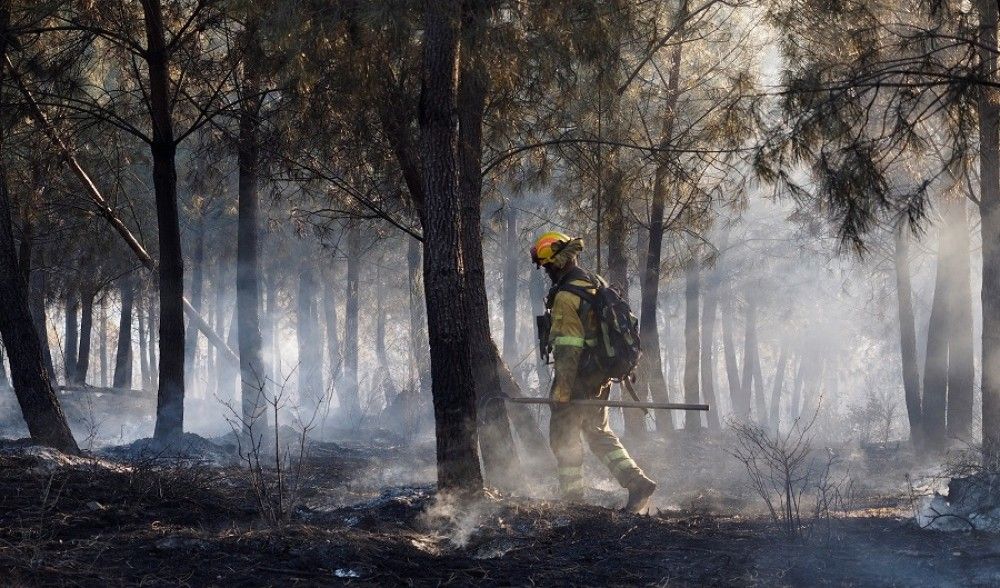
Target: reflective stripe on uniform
571	472
614	455
623	465
568	341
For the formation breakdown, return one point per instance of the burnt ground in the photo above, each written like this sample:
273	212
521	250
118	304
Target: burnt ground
151	521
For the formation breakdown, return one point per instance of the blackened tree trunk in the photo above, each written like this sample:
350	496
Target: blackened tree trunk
989	211
227	376
451	361
350	399
334	355
151	324
935	398
253	371
651	367
795	406
170	395
907	335
961	368
123	353
144	372
418	318
32	386
37	293
495	438
86	331
749	359
310	344
692	343
779	381
197	289
729	351
4	380
708	313
72	334
510	286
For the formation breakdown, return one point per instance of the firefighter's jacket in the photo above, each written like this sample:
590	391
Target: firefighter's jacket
574	329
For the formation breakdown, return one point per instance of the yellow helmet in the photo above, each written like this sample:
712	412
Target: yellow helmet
547	246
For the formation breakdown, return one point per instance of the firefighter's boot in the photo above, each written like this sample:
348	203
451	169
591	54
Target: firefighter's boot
639	493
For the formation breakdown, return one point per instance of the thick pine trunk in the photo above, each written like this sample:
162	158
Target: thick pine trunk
779	381
350	400
729	352
253	370
692	343
32	386
334	356
989	211
37	293
197	289
907	334
961	364
454	388
170	395
86	332
496	441
123	352
153	329
144	372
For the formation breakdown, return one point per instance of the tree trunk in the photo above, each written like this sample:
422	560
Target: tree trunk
934	406
37	293
253	370
907	334
310	345
496	441
961	365
418	319
749	361
510	286
151	324
228	374
32	386
795	408
350	399
709	308
197	289
454	388
144	371
729	351
103	349
170	395
989	210
123	354
692	344
651	368
779	381
334	356
86	330
72	335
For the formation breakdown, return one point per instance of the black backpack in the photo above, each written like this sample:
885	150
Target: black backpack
618	348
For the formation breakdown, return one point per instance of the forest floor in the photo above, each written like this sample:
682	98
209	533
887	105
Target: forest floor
367	516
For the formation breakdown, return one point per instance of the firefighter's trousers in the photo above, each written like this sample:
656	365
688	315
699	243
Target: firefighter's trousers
570	423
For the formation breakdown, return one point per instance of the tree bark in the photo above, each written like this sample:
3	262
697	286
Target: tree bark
779	381
709	309
651	367
934	406
418	318
253	369
334	355
144	371
197	289
496	441
454	388
350	400
907	335
510	286
310	370
692	343
729	351
72	335
32	386
86	331
151	324
989	210
749	360
37	293
123	353
170	395
961	363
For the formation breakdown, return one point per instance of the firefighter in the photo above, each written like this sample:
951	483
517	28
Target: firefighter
572	333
